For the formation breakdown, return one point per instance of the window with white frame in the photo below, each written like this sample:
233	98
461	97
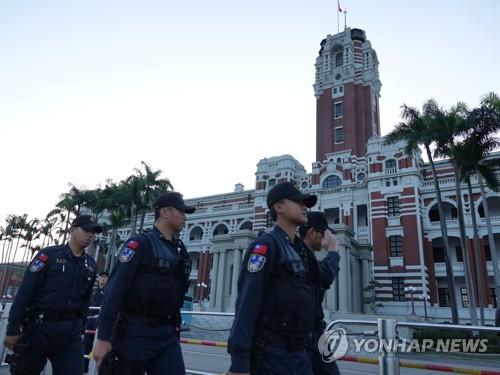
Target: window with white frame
396	246
338	109
339	134
398	289
393	206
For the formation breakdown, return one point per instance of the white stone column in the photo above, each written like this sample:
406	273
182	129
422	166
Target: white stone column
219	297
213	279
236	275
332	296
355	285
365	280
343	277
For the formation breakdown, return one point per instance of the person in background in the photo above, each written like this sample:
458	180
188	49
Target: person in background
91	324
317	235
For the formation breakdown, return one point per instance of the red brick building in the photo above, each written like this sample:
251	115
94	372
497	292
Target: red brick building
381	200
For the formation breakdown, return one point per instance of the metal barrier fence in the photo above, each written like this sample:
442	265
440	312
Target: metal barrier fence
388	360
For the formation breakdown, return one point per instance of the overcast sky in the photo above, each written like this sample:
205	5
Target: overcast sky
204	89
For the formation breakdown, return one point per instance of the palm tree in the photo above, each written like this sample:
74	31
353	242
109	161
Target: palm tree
464	154
9	235
17	224
116	202
418	129
485	122
449	125
153	186
134	186
32	233
46	228
71	202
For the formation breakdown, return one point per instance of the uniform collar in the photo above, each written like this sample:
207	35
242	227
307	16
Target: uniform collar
280	230
69	252
161	236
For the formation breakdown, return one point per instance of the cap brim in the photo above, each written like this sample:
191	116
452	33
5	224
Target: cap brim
92	227
187	209
308	199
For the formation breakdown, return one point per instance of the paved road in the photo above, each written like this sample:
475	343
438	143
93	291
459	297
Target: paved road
216	360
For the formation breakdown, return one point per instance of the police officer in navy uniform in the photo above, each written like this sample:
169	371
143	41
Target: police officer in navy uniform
275	306
98	293
318	235
47	317
140	313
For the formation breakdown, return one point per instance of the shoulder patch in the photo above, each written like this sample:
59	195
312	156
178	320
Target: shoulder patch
39	262
260	249
133	244
128	251
256	262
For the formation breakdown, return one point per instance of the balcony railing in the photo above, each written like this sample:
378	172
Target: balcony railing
363	231
458	267
442	181
452	222
493	219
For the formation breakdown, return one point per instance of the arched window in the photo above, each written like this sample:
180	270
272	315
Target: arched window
196	234
246	225
220	229
332	181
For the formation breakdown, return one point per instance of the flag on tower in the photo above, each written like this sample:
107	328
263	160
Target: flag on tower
339	8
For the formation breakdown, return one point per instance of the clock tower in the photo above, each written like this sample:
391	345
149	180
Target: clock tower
347	90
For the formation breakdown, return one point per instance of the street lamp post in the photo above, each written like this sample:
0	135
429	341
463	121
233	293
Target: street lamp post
411	290
423	298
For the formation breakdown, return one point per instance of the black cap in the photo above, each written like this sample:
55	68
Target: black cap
287	190
317	220
103	273
86	223
173	199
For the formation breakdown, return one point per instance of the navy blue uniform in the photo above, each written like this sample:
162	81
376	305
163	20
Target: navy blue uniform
97	297
91	324
329	268
140	313
50	309
275	307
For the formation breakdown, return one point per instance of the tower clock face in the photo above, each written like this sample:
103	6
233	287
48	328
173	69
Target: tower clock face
360	176
338	76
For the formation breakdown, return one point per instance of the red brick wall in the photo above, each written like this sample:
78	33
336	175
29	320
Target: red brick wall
356	121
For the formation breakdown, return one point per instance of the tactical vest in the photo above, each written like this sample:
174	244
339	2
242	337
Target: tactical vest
288	306
161	282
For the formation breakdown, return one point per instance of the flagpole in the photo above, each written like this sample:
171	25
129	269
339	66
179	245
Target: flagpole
345	19
338	22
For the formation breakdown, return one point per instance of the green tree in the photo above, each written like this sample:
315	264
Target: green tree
479	140
419	129
153	186
449	125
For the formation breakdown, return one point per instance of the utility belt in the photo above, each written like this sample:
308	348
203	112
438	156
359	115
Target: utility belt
57	316
150	321
265	337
